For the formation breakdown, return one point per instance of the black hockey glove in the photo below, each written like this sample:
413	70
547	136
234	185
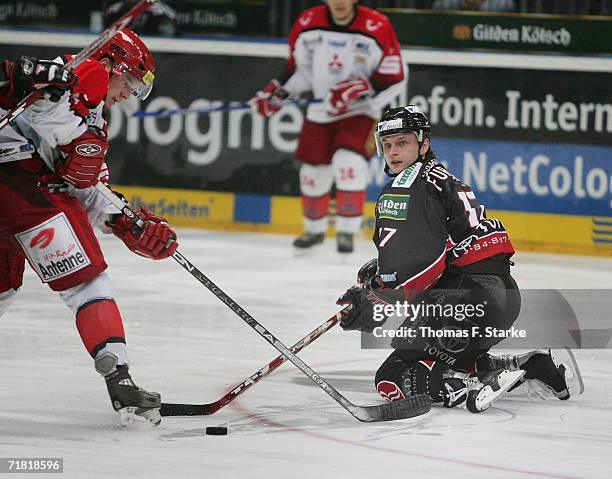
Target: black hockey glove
368	277
30	73
370	307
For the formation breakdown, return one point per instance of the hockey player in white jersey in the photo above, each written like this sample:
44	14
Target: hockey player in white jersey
347	55
50	159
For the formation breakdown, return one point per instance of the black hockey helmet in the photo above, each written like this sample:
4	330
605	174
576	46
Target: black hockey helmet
402	120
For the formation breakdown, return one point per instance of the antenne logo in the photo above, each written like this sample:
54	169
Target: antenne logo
43	239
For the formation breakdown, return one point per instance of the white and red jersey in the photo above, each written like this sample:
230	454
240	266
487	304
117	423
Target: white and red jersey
46	125
323	54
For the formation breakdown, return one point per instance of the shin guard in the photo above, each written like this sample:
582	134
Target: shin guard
99	325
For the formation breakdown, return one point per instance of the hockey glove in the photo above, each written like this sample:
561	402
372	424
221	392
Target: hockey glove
31	73
270	99
342	95
84	159
368	277
156	240
370	307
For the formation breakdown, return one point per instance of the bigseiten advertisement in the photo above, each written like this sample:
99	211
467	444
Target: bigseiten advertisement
534	143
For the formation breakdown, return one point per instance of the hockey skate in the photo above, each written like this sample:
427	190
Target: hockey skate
547	372
129	400
344	242
487	386
308	240
455	391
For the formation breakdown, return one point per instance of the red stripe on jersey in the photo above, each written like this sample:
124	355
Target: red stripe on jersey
428	363
485	247
425	279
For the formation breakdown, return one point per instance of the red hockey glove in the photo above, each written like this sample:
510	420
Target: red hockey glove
270	99
342	94
84	159
31	73
156	240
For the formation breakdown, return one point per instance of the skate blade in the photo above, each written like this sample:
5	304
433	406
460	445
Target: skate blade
565	357
484	398
129	416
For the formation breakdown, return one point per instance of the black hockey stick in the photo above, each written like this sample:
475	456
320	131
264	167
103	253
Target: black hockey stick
169	409
405	408
80	57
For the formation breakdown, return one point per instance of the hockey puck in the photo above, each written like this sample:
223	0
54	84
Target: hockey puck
216	431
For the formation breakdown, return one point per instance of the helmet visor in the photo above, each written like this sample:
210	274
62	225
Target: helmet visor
139	87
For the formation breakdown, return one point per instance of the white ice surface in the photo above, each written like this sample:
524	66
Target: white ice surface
186	344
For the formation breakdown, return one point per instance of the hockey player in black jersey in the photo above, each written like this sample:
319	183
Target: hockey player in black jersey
439	252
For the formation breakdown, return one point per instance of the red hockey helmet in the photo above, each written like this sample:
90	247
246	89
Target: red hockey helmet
132	59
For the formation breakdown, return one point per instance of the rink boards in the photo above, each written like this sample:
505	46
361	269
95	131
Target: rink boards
530	134
571	234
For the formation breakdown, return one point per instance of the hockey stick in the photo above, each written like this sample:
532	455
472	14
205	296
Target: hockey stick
244	105
79	58
169	409
405	408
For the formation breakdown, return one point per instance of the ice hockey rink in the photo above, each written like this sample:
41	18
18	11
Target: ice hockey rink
187	345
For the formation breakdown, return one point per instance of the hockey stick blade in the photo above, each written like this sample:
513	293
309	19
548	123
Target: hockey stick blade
80	57
172	409
365	414
392	411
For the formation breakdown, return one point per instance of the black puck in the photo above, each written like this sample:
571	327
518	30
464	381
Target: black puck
216	430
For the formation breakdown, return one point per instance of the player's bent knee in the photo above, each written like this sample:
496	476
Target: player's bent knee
316	180
397	378
350	170
99	287
388	378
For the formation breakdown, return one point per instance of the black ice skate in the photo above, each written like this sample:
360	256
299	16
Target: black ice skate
344	242
550	371
308	240
129	400
487	386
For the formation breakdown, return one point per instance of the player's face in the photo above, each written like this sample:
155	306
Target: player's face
402	150
341	10
119	89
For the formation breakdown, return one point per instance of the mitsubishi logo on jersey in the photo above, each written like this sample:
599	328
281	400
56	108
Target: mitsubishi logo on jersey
42	239
335	65
373	26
